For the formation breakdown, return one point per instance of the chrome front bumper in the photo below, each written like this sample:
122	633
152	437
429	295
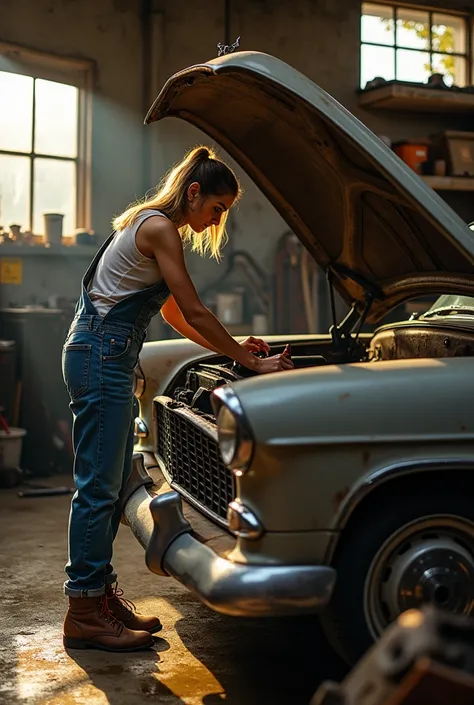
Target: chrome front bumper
238	589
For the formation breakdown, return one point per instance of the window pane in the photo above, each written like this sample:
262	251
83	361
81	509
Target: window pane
377	24
56	119
413	29
54	192
376	61
14	191
453	69
16	112
413	65
449	33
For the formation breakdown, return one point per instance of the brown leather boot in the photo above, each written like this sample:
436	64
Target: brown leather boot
89	624
126	612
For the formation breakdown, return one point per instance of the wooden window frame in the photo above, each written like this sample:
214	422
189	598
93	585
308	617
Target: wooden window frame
74	72
469	24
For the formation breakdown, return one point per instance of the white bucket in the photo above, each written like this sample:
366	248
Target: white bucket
10	448
53	228
229	308
259	324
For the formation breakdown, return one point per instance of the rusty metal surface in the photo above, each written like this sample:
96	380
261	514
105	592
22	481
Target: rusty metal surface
425	658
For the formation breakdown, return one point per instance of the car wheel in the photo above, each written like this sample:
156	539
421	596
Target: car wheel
400	556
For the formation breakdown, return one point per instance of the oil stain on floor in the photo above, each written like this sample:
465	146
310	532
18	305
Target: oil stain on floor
199	658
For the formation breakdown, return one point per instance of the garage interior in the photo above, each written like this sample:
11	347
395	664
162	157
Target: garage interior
71	159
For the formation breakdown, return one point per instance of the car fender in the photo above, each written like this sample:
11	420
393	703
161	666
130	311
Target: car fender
360	494
374	402
321	433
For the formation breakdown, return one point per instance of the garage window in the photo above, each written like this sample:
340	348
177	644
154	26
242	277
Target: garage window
407	44
44	139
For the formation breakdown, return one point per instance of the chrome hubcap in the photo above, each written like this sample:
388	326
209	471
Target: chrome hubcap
430	560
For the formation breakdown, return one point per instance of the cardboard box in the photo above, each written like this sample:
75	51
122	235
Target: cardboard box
457	149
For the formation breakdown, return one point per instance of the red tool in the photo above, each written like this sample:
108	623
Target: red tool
3	422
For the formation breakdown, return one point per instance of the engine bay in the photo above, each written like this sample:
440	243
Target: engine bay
196	382
186	440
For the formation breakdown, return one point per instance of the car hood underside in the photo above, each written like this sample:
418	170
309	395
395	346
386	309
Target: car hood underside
359	210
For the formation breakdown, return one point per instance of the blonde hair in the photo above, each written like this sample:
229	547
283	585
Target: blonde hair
214	178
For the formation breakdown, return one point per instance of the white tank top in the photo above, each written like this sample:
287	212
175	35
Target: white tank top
123	270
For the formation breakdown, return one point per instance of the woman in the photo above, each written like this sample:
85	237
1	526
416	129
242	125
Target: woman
139	271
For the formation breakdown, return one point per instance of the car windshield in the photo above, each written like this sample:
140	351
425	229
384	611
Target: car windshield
451	304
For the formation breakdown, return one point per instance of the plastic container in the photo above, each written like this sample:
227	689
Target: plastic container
413	154
10	448
230	308
53	228
259	324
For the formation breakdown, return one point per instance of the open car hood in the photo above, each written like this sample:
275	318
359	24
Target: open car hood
360	211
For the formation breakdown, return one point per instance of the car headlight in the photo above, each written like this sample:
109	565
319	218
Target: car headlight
235	440
228	434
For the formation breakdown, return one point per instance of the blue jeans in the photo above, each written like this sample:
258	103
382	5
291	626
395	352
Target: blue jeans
98	362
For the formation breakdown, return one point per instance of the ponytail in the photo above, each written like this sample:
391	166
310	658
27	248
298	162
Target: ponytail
214	178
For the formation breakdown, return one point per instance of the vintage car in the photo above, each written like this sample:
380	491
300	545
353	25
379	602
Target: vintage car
342	487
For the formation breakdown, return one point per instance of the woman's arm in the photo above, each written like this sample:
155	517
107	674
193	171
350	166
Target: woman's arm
159	237
172	315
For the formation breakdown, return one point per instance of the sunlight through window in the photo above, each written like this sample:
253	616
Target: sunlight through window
407	44
39	130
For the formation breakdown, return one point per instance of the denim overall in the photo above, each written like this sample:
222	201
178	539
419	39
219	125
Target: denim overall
99	356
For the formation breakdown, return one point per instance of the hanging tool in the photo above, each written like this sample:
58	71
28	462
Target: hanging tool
47	492
289	298
3	422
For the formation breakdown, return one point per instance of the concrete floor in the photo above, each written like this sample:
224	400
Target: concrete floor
201	657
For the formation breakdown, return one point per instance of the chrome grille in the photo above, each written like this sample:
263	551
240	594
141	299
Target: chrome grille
187	445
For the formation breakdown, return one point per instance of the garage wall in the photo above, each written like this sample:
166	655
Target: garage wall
318	37
321	39
107	32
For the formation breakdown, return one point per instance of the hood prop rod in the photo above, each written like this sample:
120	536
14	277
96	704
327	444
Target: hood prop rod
344	345
354	341
340	333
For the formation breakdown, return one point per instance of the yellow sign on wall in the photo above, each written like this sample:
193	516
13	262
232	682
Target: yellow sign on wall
11	270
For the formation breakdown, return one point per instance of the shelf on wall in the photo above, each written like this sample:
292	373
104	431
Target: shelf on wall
449	183
12	250
240	329
416	99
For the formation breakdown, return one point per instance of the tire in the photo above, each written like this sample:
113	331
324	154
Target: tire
421	543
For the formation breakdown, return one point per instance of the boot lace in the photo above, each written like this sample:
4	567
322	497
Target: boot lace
106	614
126	606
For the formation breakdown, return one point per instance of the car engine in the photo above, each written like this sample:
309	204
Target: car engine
186	432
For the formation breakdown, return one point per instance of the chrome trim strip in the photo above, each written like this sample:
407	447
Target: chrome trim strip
320	440
366	484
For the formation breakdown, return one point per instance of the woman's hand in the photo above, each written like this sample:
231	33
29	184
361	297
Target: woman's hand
255	345
275	363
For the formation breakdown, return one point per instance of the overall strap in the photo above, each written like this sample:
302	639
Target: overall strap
93	265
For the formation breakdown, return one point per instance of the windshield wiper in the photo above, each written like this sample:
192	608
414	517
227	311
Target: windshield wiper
448	310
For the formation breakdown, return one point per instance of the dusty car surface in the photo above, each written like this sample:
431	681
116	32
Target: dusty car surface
342	487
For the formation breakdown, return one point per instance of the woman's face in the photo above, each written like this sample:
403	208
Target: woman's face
204	211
